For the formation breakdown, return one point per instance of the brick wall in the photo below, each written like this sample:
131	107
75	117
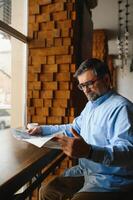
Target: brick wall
51	61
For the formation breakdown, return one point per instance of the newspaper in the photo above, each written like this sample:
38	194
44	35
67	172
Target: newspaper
37	140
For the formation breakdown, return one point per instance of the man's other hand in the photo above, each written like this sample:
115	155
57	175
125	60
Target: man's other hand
74	146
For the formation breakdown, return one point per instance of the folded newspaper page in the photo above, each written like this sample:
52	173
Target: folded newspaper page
37	140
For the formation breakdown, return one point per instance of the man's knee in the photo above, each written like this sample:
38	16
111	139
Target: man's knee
47	192
53	190
61	188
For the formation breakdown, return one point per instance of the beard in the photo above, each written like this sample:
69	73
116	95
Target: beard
92	96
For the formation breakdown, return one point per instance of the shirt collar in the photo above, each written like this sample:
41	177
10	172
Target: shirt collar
101	99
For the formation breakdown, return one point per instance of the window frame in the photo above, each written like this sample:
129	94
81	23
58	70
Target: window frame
4	27
13	32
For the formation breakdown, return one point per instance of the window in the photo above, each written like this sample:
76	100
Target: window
13	62
5	11
4	118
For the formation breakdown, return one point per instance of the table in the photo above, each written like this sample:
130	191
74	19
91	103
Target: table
20	162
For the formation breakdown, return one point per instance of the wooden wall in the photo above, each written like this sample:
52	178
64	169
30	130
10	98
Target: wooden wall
51	61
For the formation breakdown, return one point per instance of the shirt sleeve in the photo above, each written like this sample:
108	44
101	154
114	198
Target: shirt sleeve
51	129
66	128
120	150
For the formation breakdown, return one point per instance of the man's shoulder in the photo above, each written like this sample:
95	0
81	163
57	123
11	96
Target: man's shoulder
119	100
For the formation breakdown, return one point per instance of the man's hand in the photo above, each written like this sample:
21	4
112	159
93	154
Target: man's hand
75	146
34	131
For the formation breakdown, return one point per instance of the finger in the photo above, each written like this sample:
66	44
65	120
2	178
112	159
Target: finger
64	142
61	138
29	130
67	152
33	131
54	139
75	134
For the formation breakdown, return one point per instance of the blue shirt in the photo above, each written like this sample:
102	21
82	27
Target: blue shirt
106	124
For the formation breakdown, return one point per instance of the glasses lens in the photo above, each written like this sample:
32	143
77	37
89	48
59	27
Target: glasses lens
88	84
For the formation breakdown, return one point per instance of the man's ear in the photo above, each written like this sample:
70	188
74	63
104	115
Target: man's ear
107	79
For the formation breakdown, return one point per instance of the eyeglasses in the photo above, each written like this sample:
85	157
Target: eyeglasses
88	84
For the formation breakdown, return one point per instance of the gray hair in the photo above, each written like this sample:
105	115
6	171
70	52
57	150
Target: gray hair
99	67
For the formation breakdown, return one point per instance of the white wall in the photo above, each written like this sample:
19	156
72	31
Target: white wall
105	16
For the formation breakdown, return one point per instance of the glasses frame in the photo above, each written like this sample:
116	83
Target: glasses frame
88	84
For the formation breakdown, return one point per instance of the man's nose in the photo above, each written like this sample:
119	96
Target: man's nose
86	89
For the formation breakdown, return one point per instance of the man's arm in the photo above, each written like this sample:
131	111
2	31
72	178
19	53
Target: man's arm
119	151
50	129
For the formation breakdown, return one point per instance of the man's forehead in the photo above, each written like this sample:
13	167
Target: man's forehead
87	73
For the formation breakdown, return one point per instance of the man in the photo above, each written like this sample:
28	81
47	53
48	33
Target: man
101	137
